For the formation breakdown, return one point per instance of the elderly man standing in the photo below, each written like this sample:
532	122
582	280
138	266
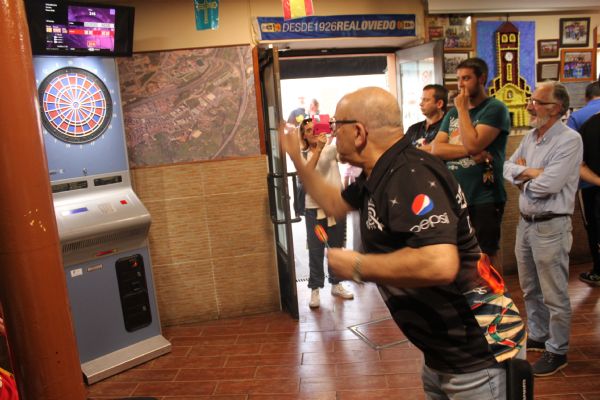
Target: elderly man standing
419	248
545	168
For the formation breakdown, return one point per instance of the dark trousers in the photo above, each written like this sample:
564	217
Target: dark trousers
316	249
590	198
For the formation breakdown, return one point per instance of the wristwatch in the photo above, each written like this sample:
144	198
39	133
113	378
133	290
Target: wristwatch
356	274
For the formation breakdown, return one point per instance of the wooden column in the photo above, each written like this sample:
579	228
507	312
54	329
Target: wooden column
32	283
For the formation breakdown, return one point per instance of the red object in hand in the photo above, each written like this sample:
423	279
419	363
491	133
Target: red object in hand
489	274
321	234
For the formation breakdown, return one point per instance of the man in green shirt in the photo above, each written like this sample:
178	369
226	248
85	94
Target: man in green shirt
472	141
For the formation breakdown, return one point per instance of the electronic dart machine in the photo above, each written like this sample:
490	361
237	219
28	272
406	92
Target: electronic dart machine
103	226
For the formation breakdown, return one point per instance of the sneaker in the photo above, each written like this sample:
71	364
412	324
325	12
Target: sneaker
314	299
341	291
590	278
549	364
534	345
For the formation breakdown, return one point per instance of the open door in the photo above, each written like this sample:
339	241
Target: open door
416	67
279	194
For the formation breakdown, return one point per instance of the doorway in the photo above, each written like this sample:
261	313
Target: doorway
317	74
327	90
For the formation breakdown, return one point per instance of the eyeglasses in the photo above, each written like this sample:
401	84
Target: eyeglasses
334	124
537	102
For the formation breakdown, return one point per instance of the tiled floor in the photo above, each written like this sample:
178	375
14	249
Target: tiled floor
267	357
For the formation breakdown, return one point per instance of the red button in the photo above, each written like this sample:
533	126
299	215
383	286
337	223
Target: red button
123	201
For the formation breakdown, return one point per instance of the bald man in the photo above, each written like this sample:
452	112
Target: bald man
419	249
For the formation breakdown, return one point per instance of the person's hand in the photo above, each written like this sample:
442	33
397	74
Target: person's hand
521	161
321	142
426	147
289	141
461	101
482	157
341	262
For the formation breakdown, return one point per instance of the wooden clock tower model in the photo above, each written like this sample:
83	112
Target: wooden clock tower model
510	87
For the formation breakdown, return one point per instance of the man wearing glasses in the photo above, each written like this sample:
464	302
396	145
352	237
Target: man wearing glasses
419	250
545	168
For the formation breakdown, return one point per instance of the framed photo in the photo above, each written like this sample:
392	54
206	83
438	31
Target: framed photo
574	32
548	70
451	61
454	30
577	65
547	48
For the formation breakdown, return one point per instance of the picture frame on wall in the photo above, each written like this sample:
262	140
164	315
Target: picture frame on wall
577	65
574	32
454	30
548	70
451	61
547	48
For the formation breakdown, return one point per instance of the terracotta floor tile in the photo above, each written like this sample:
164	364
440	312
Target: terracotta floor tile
215	374
189	362
222	350
296	371
273	357
340	357
383	394
112	388
264	386
146	375
380	367
213	397
175	388
292	347
264	359
591	396
324	384
297	396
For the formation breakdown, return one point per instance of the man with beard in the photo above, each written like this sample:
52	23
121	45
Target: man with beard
545	168
419	249
433	106
472	140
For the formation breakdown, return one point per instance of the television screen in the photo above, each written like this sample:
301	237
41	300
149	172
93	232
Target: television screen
70	28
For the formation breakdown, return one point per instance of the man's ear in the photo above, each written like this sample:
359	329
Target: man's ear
483	80
360	135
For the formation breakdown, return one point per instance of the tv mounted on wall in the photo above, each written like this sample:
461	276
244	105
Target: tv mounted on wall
62	27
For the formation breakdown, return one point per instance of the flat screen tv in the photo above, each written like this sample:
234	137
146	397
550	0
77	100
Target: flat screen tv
62	27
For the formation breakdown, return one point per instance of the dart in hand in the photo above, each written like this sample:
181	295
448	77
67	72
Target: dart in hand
321	234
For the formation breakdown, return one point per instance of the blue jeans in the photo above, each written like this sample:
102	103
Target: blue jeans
542	252
485	384
316	249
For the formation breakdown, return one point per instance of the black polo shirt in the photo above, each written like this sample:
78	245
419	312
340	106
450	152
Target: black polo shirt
419	134
411	199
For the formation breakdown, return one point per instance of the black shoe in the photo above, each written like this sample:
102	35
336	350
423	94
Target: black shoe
549	364
590	278
534	345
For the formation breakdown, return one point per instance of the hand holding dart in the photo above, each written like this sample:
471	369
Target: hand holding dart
321	234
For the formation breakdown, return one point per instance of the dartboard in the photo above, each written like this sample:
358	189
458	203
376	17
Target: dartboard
75	104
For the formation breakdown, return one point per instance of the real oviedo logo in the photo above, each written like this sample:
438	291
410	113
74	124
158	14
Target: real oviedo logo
422	204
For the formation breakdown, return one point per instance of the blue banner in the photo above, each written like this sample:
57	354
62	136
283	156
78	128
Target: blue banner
336	26
207	14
